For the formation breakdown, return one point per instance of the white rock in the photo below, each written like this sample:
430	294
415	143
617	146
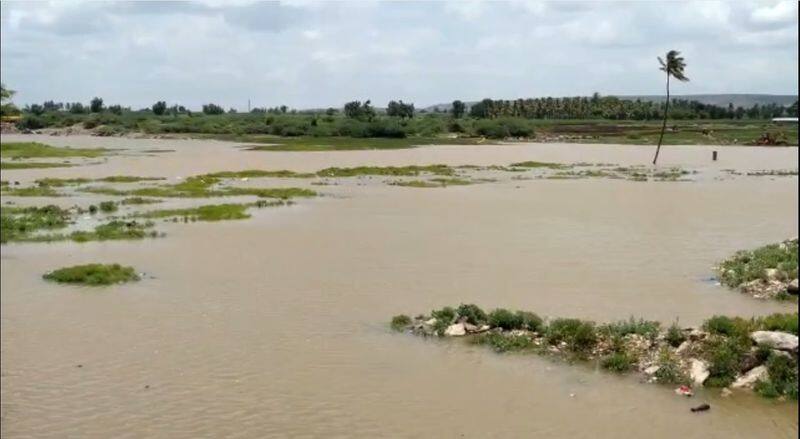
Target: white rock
771	273
455	330
792	288
699	371
726	392
683	347
749	379
775	339
652	370
431	321
697	334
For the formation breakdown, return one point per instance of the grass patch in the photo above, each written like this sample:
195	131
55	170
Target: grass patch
415	183
396	171
127	179
646	328
32	191
212	212
93	274
32	165
782	379
19	223
256	173
347	143
618	362
578	335
400	322
749	265
504	343
139	201
534	164
451	181
20	150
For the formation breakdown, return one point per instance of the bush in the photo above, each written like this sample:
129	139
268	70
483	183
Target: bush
729	326
725	360
31	122
782	378
617	362
503	343
675	335
472	313
93	274
778	322
446	314
505	319
108	206
577	334
504	127
669	371
530	321
400	322
641	327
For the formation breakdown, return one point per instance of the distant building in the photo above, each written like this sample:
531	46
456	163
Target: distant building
784	119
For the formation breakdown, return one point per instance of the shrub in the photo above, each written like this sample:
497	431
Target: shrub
642	327
530	321
93	274
729	326
577	334
778	322
617	362
446	314
108	206
472	313
400	322
31	122
503	318
675	335
504	127
504	343
669	371
782	378
725	359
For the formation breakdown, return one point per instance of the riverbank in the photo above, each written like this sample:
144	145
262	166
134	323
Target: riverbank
730	353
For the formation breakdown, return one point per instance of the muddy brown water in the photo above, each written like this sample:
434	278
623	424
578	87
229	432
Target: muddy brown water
276	326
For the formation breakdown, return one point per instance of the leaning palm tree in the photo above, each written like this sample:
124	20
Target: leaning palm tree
674	67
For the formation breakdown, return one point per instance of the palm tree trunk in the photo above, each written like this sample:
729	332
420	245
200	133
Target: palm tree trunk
663	125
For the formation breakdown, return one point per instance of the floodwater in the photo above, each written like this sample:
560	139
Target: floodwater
276	326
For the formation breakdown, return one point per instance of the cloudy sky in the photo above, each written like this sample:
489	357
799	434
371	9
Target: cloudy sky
318	54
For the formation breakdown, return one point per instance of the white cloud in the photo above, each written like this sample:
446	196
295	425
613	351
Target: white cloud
317	54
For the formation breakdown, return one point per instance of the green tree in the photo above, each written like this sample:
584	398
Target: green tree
673	66
159	108
213	109
458	109
96	105
7	108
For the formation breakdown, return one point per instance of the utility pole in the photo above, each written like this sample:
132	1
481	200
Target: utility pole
248	105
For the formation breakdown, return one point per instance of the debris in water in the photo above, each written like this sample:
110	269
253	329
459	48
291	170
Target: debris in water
701	408
684	390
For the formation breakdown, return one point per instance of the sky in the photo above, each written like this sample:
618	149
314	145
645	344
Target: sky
312	54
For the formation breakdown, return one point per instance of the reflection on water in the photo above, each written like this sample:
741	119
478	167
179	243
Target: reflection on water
276	326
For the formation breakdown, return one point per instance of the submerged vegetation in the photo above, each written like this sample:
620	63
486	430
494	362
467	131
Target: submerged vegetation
25	150
723	352
18	223
93	274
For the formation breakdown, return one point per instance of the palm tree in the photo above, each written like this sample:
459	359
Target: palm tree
674	67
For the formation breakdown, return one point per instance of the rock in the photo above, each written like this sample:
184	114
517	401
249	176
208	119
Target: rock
750	360
652	370
749	379
431	321
782	354
726	392
683	347
701	408
699	371
775	339
455	330
771	273
469	327
792	287
697	334
484	328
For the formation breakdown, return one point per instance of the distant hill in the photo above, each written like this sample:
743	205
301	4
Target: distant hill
738	100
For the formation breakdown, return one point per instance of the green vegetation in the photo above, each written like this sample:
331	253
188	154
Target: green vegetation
578	335
400	322
726	345
139	200
108	206
257	173
24	150
395	171
415	183
344	143
20	223
127	179
533	164
212	212
32	165
749	265
93	274
31	191
618	362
